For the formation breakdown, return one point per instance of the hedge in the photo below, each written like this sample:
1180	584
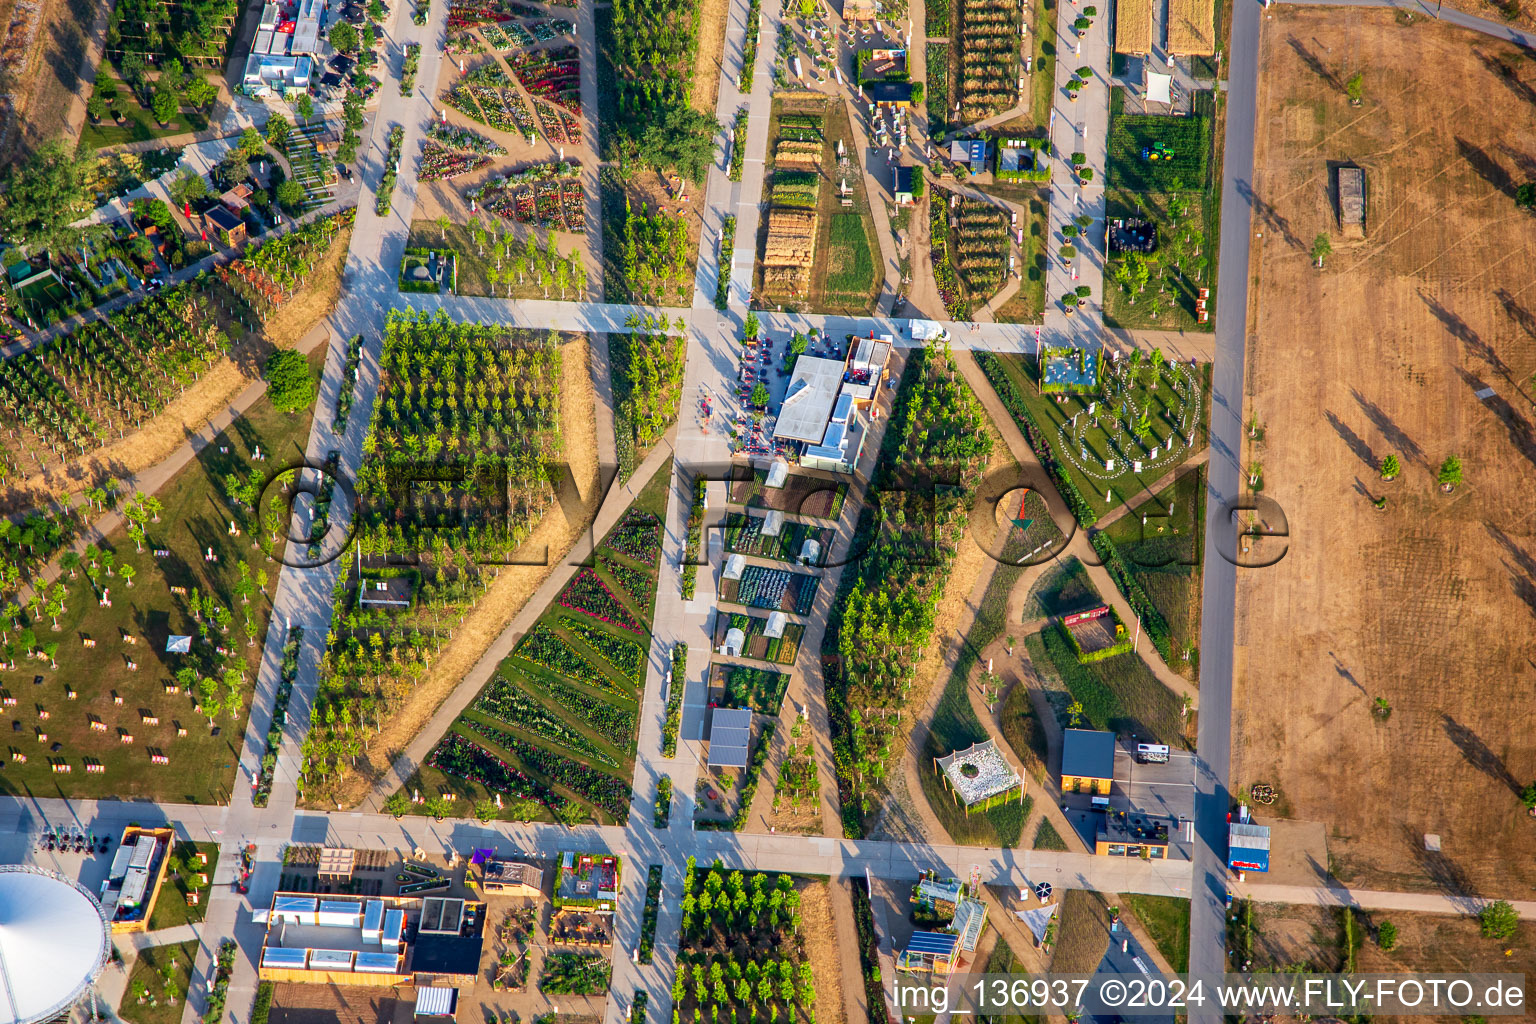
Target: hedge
1152	621
1008	393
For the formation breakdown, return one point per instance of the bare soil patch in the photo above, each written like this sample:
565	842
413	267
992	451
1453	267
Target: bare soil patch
1429	603
821	948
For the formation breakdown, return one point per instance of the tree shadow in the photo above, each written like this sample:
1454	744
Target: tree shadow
1344	673
1445	873
1313	64
1487	168
1463	332
1395	436
1508	74
1356	443
1522	433
1518	314
1269	216
1520	565
1477	754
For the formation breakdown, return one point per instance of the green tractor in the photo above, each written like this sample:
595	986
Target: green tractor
1158	151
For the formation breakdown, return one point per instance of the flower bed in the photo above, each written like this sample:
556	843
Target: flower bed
438	163
543	646
458	756
616	725
517	708
625	655
777	588
391	163
640	586
600	789
637	536
453	137
675	700
589	594
348	393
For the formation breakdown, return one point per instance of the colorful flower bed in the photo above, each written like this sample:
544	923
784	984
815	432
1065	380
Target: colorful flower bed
598	788
438	163
625	655
457	755
615	724
517	708
453	137
495	38
553	75
637	536
543	646
640	586
589	594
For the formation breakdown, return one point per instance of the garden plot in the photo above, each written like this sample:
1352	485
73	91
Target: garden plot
554	731
742	953
547	195
744	533
1111	443
814	497
310	169
781	649
971	249
773	589
987	56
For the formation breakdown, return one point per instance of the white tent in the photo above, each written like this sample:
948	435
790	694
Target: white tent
735	639
810	551
734	566
53	944
773	522
1159	87
776	623
777	473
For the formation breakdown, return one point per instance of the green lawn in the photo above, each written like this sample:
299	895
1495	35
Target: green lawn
1051	415
171	908
601	688
1047	838
1166	919
1164	557
138	124
1120	693
1024	733
195	516
162	1003
1064	589
850	261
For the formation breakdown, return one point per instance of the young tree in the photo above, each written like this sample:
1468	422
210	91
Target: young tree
278	127
1525	195
1386	936
1498	920
1322	248
443	223
305	106
344	37
290	385
187	187
1355	89
1450	473
486	810
128	573
376	10
251	143
96	107
165	103
1390	467
397	805
200	92
760	394
751	326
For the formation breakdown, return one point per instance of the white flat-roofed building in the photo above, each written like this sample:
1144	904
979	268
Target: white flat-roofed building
807	407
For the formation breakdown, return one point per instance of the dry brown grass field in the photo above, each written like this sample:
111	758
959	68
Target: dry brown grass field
1133	26
1429	603
1192	26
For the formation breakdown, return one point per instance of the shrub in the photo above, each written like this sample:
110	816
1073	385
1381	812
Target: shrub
290	385
1498	920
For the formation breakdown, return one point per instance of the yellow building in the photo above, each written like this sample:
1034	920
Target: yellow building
1087	761
134	880
1131	834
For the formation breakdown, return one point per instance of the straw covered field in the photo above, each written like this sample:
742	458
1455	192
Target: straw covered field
790	250
1133	25
1192	26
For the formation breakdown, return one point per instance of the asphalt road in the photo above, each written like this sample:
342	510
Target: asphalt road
1207	935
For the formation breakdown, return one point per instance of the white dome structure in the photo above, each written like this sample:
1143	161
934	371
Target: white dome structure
53	943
